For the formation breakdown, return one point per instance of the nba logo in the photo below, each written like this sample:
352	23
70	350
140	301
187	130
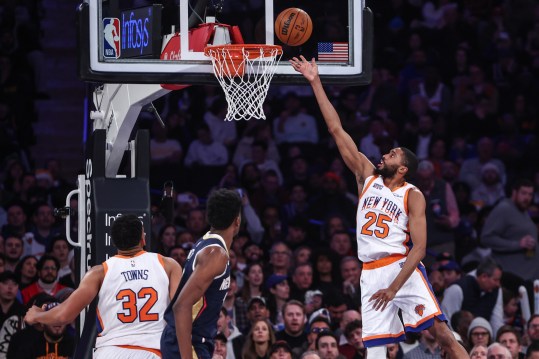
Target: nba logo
111	45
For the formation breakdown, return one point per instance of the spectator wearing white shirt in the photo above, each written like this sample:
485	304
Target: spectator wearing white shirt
221	131
205	151
294	125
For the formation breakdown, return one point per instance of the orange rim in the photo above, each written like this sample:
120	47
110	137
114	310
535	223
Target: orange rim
252	51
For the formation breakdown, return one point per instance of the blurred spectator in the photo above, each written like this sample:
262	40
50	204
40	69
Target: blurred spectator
259	156
478	293
354	349
326	273
42	341
296	234
512	315
297	204
11	310
370	143
196	222
278	286
43	229
16	220
220	351
205	151
451	272
59	248
13	251
222	131
166	239
165	155
237	309
326	344
254	279
341	243
26	271
497	350
179	254
351	275
348	316
532	332
460	322
269	193
480	332
280	350
259	340
316	326
256	310
302	281
280	258
512	235
257	132
331	199
478	352
509	338
490	191
302	254
470	171
427	345
293	125
533	351
294	325
234	339
435	91
47	272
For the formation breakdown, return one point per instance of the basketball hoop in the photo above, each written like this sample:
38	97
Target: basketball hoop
244	72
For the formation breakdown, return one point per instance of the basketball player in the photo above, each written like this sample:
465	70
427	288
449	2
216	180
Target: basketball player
134	288
391	238
192	315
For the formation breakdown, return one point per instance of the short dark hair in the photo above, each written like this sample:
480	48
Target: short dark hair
508	329
353	325
410	161
533	348
325	334
521	182
126	231
47	257
222	208
487	266
59	237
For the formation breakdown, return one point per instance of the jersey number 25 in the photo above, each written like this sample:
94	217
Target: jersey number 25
376	224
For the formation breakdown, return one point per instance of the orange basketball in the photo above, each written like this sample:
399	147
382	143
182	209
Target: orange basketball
293	26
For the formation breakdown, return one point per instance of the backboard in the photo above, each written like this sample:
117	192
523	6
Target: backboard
162	41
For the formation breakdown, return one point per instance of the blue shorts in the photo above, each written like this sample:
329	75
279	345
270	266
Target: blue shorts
170	349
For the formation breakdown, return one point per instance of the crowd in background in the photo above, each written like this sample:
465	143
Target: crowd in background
455	82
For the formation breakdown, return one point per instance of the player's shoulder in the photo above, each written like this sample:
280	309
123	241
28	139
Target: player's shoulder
415	197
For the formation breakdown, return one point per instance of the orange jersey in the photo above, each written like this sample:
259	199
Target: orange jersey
382	220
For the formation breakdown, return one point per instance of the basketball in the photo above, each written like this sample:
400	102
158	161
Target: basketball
293	26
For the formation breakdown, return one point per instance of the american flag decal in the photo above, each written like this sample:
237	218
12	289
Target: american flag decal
333	51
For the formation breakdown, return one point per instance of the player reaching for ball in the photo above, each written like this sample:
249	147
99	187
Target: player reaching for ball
391	239
134	290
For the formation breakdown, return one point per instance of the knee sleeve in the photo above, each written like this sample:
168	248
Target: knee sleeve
377	352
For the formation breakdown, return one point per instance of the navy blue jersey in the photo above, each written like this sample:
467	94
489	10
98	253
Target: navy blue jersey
206	310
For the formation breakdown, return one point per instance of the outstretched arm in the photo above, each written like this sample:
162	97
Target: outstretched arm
67	311
210	263
356	161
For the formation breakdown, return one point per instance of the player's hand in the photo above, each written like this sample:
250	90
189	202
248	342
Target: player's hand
308	69
382	298
30	317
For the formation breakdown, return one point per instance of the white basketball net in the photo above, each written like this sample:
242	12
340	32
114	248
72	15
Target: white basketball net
245	78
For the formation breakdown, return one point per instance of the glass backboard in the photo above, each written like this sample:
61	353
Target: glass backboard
162	41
